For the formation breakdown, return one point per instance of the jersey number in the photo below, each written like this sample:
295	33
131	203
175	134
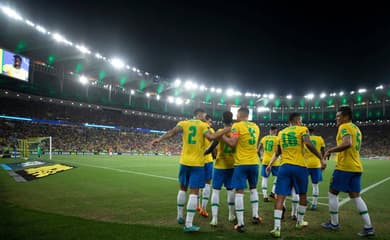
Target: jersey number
289	139
252	140
227	149
192	135
269	144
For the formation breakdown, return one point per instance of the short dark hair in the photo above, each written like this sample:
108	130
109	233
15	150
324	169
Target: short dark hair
198	110
272	128
227	117
208	117
17	56
311	130
346	111
293	116
244	110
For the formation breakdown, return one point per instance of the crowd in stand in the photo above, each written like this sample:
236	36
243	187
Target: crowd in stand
76	137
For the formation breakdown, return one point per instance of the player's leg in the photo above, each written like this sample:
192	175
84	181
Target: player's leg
300	179
239	184
217	185
253	177
181	195
274	171
316	177
230	193
337	184
206	190
294	204
264	183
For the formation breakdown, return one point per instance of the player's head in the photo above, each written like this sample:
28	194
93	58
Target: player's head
200	114
242	114
17	61
295	119
209	120
343	115
273	130
227	118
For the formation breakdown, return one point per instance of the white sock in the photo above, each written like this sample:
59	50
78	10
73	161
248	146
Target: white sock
316	193
333	208
230	200
205	196
294	202
363	210
181	200
199	199
191	209
255	203
277	219
239	204
301	213
264	185
274	185
215	203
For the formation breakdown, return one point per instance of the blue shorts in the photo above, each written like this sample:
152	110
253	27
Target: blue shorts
242	173
315	175
192	177
291	176
223	177
346	181
274	171
208	171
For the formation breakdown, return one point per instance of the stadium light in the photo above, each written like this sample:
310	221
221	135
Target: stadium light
352	92
41	29
248	94
147	94
132	92
309	96
263	109
61	39
237	93
380	87
218	90
289	96
117	63
170	99
179	101
341	93
212	89
187	101
98	56
362	90
83	49
271	96
333	94
230	92
83	79
188	85
202	88
177	82
28	22
265	95
322	95
11	13
158	97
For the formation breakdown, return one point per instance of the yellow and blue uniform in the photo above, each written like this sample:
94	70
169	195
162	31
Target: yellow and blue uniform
224	166
312	161
292	171
349	168
191	171
270	144
208	160
246	160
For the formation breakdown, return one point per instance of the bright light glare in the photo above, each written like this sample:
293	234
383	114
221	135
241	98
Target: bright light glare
322	95
177	82
170	99
263	109
117	63
230	92
309	96
362	90
271	96
83	49
289	96
41	29
31	24
380	87
179	101
218	90
83	79
11	13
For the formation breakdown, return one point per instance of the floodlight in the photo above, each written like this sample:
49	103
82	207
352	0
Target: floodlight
289	96
362	90
83	79
380	87
117	63
11	13
309	96
177	82
271	96
322	95
263	109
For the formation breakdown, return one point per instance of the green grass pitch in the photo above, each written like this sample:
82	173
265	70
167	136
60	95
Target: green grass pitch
134	197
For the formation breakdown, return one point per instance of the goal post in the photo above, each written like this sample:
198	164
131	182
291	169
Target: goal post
36	146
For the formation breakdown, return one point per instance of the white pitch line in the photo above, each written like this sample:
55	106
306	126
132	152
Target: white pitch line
364	190
125	171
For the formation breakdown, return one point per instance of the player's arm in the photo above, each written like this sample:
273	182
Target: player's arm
310	146
231	141
345	144
173	132
211	148
275	156
213	136
259	148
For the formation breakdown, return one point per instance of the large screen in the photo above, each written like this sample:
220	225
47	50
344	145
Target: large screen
235	109
14	65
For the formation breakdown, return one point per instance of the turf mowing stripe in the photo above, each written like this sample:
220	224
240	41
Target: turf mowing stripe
365	190
125	171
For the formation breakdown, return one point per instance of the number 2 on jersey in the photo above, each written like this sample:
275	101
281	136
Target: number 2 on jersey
192	135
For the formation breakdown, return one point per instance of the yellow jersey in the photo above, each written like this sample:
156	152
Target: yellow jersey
349	159
311	160
291	143
270	144
193	142
209	157
225	155
246	149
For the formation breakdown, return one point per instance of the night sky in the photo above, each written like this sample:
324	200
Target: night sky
260	47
